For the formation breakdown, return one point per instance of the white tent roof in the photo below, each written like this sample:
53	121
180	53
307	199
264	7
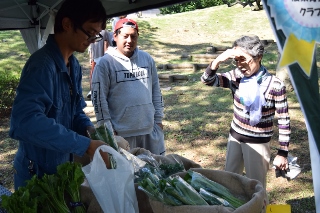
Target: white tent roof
32	17
21	14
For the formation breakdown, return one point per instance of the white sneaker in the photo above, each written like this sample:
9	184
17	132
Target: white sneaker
89	95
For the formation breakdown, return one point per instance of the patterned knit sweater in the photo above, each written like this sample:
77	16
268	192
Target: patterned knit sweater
276	101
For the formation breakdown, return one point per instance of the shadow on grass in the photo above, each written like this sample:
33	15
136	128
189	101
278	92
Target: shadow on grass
149	42
302	205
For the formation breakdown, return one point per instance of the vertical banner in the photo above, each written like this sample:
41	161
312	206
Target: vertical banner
296	25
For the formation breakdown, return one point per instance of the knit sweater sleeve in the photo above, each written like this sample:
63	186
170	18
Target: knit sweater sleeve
226	80
282	109
209	77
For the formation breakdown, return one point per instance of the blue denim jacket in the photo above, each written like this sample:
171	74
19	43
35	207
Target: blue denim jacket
47	116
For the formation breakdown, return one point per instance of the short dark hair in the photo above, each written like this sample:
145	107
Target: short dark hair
79	12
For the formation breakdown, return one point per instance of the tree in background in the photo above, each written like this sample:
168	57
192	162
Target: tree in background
254	4
189	6
200	4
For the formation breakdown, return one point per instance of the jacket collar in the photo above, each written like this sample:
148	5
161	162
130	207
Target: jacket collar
53	47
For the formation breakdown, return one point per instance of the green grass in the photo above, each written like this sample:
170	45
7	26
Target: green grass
13	53
194	31
197	117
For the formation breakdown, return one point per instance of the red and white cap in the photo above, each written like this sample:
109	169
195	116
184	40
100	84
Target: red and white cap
121	24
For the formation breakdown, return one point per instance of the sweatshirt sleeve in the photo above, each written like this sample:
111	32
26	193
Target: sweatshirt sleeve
100	89
156	94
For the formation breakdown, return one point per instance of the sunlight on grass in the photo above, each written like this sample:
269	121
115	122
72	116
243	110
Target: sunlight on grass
213	26
4	154
203	101
13	53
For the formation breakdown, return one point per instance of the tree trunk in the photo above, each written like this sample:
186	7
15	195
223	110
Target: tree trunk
283	75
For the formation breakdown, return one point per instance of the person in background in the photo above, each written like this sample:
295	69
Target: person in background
47	115
113	23
126	93
257	95
97	50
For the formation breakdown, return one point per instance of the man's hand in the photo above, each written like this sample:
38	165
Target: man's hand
161	125
94	144
90	130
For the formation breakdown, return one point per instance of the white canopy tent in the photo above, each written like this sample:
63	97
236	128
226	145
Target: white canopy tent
35	18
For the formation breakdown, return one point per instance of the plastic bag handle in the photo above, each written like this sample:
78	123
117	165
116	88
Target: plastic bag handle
121	161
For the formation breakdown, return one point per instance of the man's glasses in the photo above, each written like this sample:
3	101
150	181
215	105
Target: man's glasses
90	37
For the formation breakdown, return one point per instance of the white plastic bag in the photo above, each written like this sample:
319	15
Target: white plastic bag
113	188
293	171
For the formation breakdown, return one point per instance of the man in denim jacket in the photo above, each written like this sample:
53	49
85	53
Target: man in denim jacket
47	116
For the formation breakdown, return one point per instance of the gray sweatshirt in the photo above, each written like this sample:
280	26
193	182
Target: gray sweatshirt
126	92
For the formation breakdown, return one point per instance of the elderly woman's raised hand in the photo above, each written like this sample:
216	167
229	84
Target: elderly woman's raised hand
228	54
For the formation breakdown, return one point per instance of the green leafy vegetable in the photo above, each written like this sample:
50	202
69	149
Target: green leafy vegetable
213	199
72	175
47	194
168	198
171	191
104	134
170	169
20	201
185	193
111	140
197	181
150	189
51	186
148	171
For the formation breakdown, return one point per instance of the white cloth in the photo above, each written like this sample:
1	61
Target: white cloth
251	96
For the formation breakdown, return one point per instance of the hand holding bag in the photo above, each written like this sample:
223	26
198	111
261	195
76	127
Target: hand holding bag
113	188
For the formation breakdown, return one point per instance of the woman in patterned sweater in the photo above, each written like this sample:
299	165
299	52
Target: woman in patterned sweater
257	96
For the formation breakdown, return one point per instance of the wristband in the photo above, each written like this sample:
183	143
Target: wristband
283	153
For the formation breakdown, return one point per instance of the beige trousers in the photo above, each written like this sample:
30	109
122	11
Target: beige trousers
252	157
